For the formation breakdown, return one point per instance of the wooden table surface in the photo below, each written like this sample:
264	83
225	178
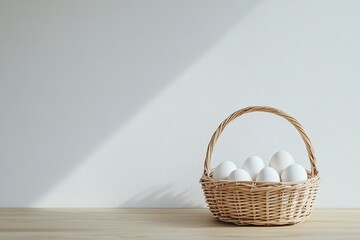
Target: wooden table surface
165	224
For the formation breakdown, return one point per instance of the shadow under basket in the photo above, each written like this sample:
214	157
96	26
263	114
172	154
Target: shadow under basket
260	203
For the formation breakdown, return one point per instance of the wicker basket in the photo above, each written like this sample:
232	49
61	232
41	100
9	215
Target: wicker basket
254	203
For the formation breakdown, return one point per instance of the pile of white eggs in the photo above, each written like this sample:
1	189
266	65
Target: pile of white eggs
282	168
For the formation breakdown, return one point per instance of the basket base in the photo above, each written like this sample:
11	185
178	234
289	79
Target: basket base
250	222
260	204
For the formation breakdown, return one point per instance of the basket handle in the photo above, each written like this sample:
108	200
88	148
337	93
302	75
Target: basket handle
249	109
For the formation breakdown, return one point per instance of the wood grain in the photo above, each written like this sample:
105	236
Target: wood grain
165	224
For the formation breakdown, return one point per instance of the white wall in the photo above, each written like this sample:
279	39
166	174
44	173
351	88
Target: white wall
112	103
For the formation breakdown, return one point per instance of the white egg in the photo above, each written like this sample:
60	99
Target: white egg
281	160
253	166
223	170
240	175
294	173
268	174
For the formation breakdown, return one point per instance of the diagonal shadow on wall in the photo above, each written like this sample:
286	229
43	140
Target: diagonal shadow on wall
73	72
164	196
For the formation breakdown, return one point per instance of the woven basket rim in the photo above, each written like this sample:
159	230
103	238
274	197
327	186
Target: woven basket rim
310	177
261	185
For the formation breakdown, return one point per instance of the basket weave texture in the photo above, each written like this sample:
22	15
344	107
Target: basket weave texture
260	203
